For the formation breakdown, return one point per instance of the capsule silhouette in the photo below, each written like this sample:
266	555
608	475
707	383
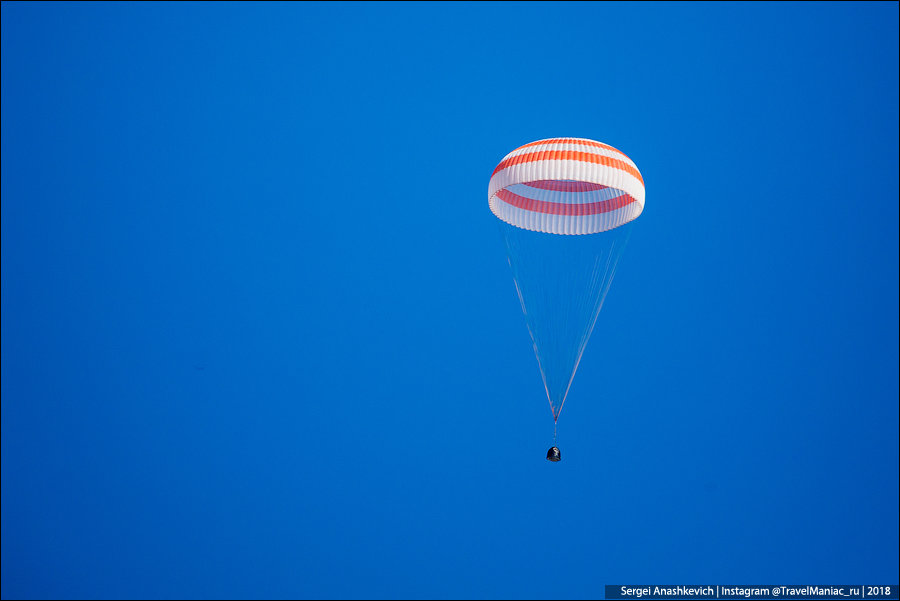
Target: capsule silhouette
553	454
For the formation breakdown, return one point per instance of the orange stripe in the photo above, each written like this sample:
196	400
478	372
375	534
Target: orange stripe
568	155
557	185
562	208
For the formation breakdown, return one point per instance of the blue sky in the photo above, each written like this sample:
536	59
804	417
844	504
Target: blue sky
260	338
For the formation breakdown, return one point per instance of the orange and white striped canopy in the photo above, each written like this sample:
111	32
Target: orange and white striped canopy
566	186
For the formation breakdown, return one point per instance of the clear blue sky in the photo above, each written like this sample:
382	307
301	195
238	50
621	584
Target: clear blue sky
260	338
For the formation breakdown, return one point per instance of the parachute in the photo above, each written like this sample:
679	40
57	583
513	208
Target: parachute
566	207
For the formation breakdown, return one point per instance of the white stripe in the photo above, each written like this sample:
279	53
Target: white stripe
564	224
571	170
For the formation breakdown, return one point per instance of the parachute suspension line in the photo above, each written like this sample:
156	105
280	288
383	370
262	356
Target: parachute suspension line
596	280
514	248
555	431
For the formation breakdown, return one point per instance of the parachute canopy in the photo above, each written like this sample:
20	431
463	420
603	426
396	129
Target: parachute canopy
566	186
